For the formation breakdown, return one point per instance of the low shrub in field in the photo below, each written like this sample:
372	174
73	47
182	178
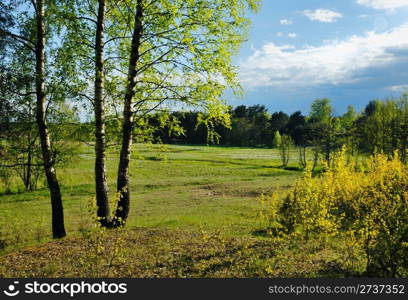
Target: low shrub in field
361	202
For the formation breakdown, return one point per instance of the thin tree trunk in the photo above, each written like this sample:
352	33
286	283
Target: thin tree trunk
58	229
122	210
101	185
28	183
315	157
28	174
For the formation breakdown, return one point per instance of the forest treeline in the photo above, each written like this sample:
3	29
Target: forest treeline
382	126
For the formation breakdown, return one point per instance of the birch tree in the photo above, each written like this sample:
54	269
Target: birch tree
180	55
26	25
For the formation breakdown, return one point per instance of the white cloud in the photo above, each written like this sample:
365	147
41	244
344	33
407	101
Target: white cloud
384	4
286	22
398	88
322	15
279	34
292	35
334	62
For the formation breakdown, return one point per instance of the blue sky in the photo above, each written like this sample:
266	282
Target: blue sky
351	51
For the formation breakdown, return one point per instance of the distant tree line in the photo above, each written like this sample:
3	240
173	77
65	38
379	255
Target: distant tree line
382	126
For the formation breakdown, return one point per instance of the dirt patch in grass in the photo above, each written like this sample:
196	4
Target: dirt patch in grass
237	189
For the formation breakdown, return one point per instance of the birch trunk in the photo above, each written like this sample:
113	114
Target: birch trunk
58	229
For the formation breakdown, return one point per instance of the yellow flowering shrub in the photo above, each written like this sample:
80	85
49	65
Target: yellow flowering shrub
269	213
366	199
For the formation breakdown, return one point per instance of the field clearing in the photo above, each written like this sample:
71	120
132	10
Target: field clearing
194	213
183	187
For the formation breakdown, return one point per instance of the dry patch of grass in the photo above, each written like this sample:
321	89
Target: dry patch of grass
146	253
162	253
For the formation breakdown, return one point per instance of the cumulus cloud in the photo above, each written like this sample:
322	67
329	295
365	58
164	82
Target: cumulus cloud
322	15
384	4
335	62
292	35
286	22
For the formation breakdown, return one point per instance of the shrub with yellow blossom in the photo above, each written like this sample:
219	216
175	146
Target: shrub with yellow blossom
367	199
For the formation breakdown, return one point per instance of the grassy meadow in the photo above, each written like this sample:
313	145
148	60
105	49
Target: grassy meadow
195	212
186	201
172	187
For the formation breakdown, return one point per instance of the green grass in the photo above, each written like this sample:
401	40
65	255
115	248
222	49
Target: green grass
180	187
194	213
